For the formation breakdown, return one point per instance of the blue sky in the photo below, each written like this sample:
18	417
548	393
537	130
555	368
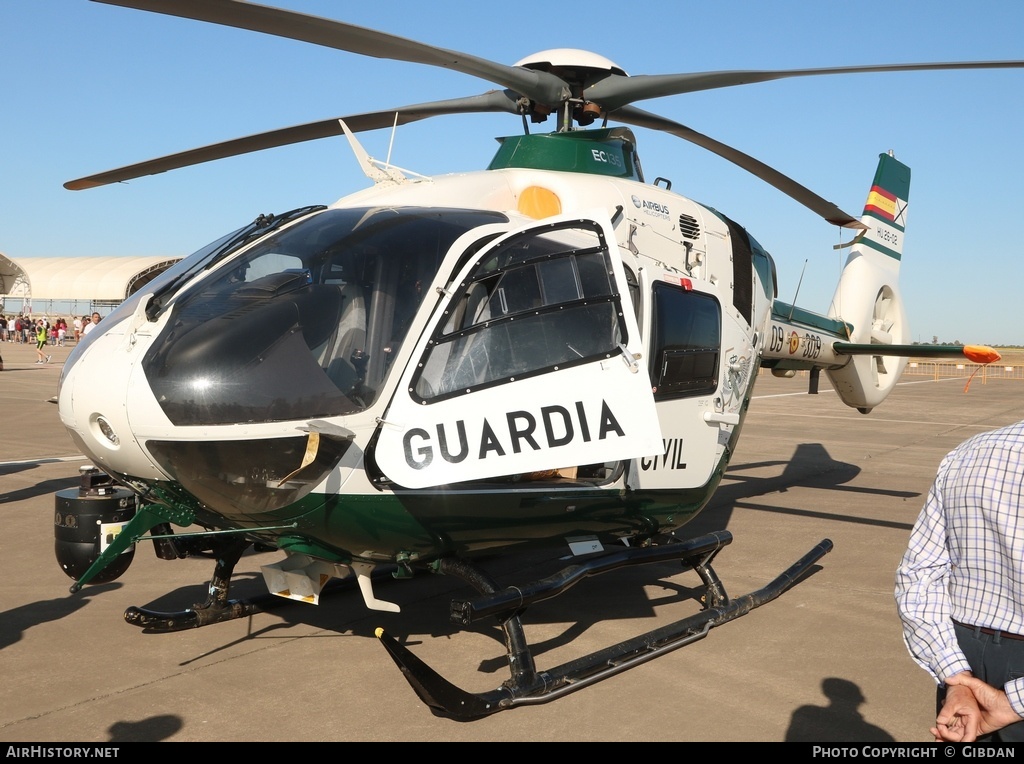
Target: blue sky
89	87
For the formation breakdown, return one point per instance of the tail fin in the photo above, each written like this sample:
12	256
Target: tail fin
867	299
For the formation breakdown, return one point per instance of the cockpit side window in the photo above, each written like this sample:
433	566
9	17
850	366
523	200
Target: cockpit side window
540	301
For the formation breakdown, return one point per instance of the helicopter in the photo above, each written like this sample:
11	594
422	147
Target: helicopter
549	353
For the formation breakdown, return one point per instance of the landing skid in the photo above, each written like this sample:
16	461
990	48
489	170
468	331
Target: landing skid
528	686
217	608
525	685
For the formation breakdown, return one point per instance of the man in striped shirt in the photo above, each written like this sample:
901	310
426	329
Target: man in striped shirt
960	588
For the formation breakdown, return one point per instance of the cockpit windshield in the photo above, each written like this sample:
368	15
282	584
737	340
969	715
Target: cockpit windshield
306	323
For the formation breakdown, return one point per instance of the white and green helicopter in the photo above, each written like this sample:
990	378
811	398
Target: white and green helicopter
433	370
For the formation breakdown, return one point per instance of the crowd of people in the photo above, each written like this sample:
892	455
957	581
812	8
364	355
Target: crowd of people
58	332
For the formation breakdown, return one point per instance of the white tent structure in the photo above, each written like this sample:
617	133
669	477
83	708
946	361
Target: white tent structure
74	284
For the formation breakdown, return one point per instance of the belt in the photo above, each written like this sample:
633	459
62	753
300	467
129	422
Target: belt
991	632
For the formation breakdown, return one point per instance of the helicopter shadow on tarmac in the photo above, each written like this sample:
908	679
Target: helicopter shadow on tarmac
16	621
44	488
811	466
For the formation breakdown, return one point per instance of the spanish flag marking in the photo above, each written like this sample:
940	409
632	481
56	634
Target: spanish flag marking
881	202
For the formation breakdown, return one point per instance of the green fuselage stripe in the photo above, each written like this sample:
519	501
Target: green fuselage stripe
881	248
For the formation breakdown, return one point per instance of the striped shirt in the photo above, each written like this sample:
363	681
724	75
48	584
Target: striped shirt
965	558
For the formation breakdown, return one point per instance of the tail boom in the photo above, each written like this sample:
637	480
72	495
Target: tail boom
864	342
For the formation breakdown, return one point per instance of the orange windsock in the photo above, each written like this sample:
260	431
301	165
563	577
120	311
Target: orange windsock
981	354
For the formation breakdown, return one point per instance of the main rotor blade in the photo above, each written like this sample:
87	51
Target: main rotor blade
615	90
826	209
542	87
491	101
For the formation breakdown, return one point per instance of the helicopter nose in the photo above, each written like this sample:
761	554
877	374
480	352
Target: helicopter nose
95	401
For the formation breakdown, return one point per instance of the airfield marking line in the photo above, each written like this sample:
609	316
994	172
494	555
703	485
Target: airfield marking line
46	460
786	395
832	390
893	421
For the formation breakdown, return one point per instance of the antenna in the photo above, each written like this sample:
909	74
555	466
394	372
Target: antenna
792	307
374	169
394	130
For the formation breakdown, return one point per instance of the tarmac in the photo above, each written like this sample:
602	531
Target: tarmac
825	662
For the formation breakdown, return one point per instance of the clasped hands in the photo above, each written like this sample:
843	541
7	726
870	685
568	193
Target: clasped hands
972	708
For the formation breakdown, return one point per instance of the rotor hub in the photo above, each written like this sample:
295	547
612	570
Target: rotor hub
578	69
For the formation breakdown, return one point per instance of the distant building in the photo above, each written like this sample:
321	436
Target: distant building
69	286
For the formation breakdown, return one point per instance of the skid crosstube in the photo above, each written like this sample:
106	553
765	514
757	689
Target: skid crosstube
526	685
